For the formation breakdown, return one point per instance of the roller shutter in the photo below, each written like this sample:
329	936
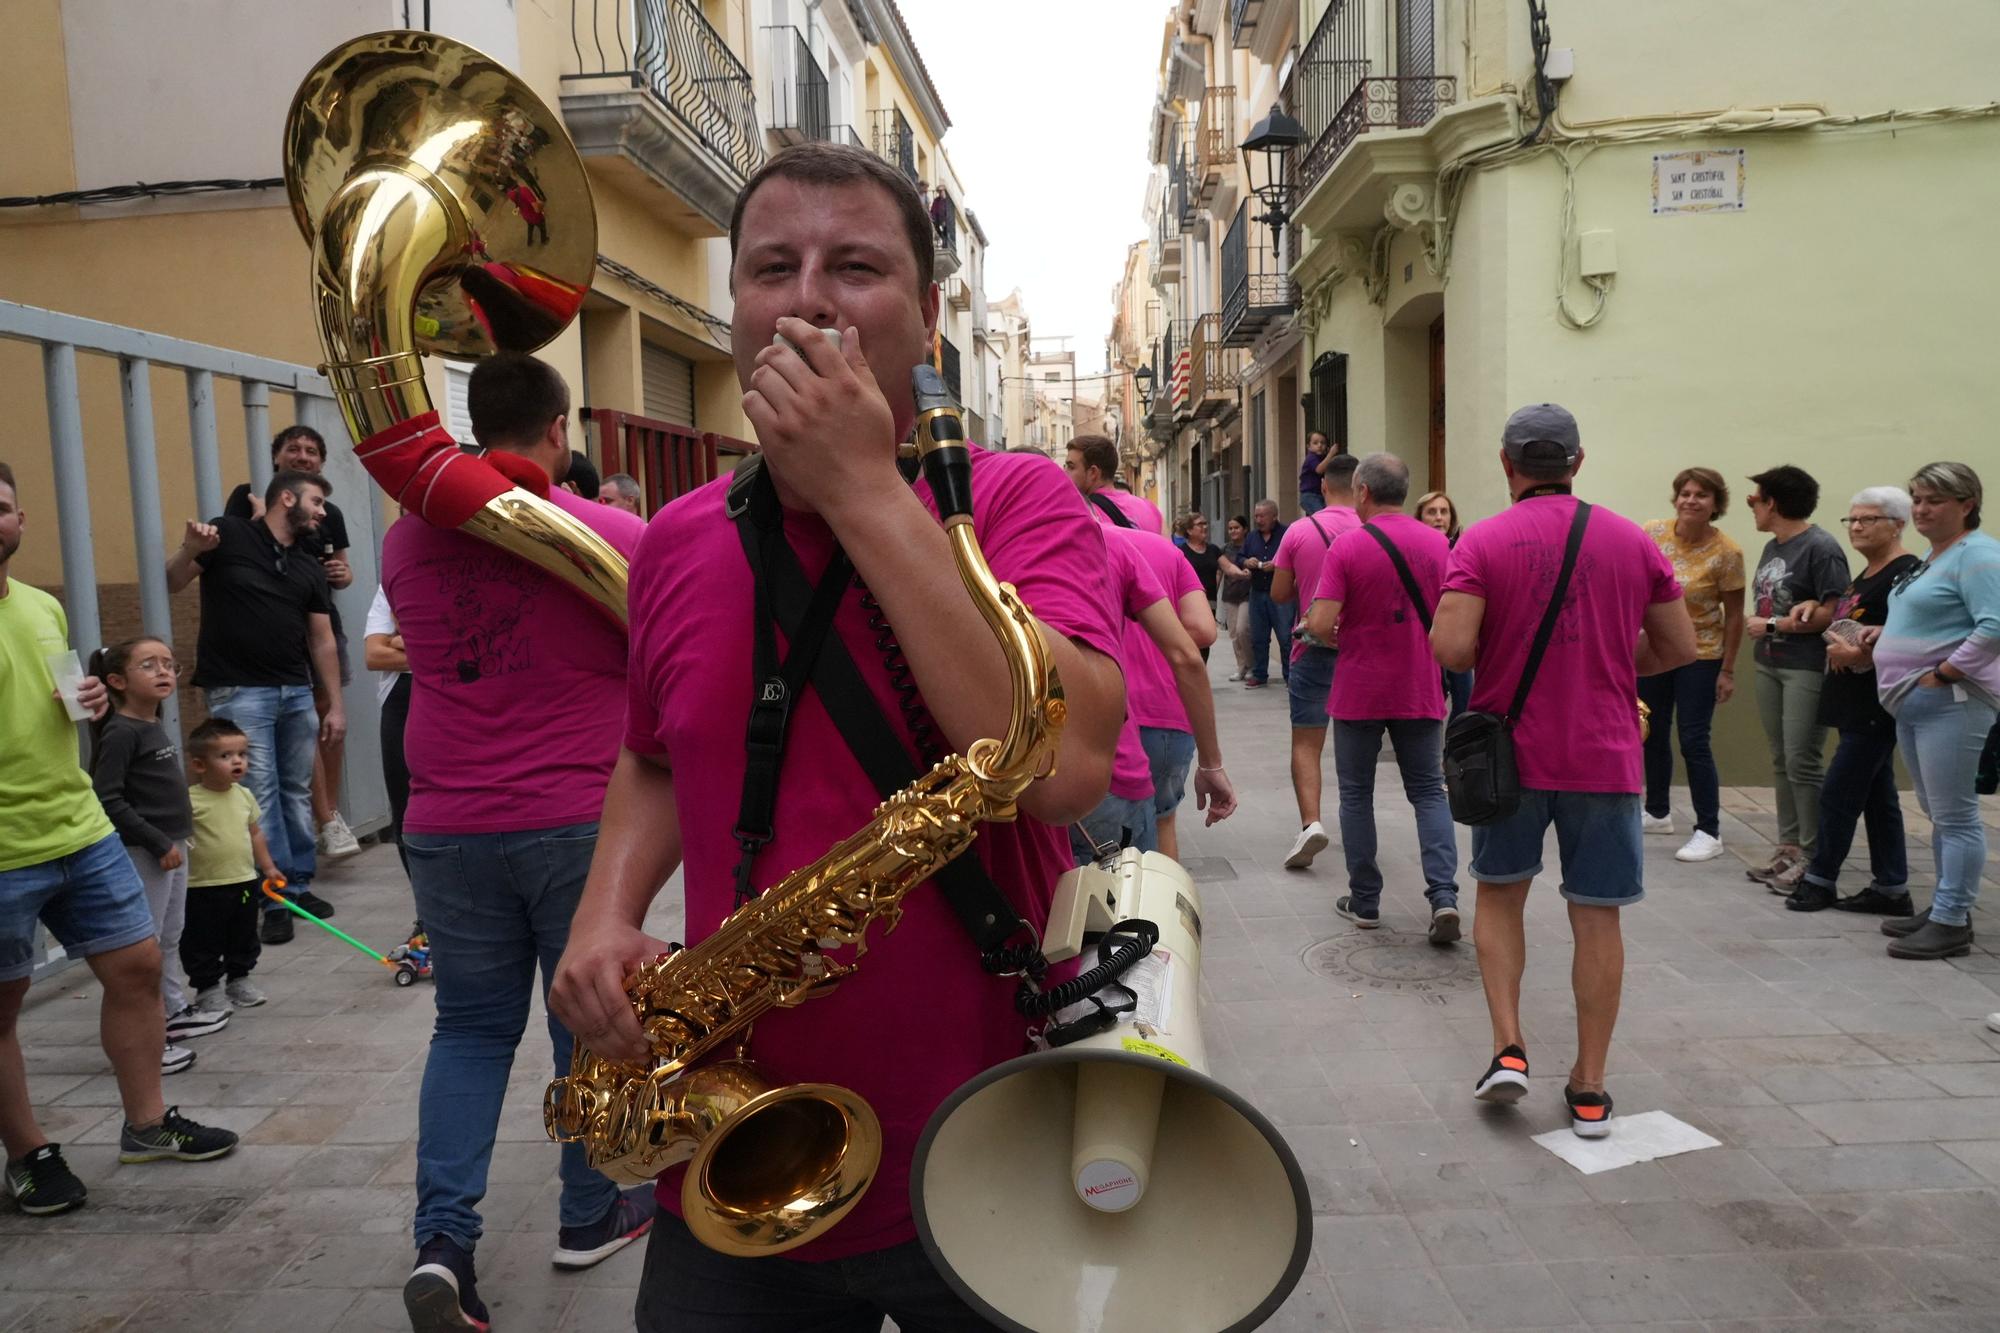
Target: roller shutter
669	385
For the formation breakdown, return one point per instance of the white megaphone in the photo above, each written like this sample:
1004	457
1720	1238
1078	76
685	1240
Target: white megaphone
1110	1184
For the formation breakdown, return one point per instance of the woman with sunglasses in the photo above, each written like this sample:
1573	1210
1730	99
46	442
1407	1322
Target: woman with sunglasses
1861	781
1937	665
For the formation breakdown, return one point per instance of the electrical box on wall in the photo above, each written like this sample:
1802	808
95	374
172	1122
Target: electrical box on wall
1596	254
1560	63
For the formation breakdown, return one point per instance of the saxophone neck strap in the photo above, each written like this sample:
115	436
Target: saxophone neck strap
786	598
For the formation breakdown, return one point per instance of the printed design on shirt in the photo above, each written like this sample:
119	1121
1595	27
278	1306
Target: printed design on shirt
1774	597
489	602
1544	565
166	754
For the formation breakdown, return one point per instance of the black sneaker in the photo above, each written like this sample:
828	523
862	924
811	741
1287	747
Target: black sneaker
174	1139
1875	901
277	927
1506	1079
1366	918
193	1022
1589	1112
42	1185
1811	898
1897	927
441	1292
630	1218
1444	926
315	904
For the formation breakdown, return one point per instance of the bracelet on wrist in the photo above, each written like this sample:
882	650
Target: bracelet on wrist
1204	768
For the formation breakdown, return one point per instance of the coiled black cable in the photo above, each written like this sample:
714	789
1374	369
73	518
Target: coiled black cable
1117	953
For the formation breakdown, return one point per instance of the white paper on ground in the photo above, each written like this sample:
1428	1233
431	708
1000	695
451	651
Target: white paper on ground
1633	1138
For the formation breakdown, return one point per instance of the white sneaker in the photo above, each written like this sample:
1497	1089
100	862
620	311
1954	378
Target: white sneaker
194	1022
1656	823
175	1058
1701	847
336	840
244	994
1311	842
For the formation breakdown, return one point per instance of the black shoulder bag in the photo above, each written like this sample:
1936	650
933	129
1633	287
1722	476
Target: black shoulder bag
1481	778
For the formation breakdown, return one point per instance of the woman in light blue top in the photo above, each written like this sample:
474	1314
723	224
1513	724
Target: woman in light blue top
1937	665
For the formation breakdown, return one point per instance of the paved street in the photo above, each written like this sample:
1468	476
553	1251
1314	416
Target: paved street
1857	1100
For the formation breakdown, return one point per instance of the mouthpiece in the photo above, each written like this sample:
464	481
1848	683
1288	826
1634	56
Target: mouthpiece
941	441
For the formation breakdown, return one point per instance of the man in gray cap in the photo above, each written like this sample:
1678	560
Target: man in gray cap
1576	738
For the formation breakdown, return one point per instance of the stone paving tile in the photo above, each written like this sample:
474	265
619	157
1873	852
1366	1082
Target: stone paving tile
1857	1100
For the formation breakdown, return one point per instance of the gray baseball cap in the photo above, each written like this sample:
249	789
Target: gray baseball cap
1542	423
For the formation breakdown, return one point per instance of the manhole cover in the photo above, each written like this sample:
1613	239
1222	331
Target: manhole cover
1386	961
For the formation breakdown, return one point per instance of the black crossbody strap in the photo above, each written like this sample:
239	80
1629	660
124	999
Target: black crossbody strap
1110	509
1326	540
968	890
1548	625
1410	587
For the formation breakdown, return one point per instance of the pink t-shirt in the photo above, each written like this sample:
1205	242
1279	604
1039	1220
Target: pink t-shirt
1151	696
1580	728
517	680
1144	514
1135	587
918	1018
1304	546
1386	669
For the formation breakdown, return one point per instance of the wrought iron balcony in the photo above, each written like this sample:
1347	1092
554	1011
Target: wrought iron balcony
847	134
797	94
895	141
1214	141
1243	16
1376	103
1213	371
957	293
1340	97
948	366
1257	292
1183	205
665	99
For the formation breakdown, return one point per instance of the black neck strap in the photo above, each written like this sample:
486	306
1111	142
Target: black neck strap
1546	488
1547	628
1005	942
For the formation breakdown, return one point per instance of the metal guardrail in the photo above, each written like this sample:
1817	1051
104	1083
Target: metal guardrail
684	62
798	87
895	141
61	339
1256	289
666	459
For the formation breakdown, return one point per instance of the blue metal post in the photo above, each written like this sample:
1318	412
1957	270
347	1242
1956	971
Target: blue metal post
148	541
79	558
202	438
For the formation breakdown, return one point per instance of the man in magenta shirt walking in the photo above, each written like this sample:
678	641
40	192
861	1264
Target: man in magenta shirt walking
1576	741
517	688
1386	684
830	237
1295	573
1092	463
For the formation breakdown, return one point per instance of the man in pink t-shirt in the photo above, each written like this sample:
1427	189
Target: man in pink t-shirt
1167	696
517	683
1092	463
832	237
1294	579
1386	684
1576	740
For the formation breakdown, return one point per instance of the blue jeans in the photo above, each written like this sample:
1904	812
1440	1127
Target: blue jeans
1169	751
1115	823
1861	784
283	727
494	905
92	901
1683	701
1419	743
1269	616
1458	689
1311	502
1597	837
1941	735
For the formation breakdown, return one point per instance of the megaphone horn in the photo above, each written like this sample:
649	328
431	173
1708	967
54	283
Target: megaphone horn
1109	1184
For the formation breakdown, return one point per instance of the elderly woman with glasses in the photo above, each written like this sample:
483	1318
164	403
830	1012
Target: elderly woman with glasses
1861	780
1937	666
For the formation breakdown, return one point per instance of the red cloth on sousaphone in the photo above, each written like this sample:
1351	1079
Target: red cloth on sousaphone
422	468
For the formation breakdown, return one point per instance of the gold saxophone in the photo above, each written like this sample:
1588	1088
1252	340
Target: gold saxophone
771	1167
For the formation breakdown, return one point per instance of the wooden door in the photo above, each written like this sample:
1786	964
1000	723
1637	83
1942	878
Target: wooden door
1437	404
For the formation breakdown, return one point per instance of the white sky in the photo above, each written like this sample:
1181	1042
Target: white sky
1049	102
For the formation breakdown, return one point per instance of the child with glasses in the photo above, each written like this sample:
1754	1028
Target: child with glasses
137	772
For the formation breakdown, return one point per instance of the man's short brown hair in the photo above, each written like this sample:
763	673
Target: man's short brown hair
1099	452
843	164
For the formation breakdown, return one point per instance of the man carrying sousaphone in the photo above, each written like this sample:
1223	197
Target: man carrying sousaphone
831	238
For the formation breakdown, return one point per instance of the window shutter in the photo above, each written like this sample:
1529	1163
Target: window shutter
457	416
669	385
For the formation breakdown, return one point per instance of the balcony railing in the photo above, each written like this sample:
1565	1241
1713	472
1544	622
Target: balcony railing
847	134
1339	97
666	459
1243	16
1256	289
1376	103
948	366
1214	140
689	67
1212	370
798	88
1181	200
895	141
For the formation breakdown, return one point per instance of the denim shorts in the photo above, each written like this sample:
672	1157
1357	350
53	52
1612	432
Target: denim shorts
1311	684
1168	752
91	901
1597	836
1115	823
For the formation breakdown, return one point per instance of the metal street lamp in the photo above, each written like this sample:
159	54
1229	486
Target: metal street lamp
1142	379
1271	142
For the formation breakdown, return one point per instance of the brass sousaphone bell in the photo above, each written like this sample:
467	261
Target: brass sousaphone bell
449	214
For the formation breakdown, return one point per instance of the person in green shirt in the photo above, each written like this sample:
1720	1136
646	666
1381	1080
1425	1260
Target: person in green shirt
61	864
